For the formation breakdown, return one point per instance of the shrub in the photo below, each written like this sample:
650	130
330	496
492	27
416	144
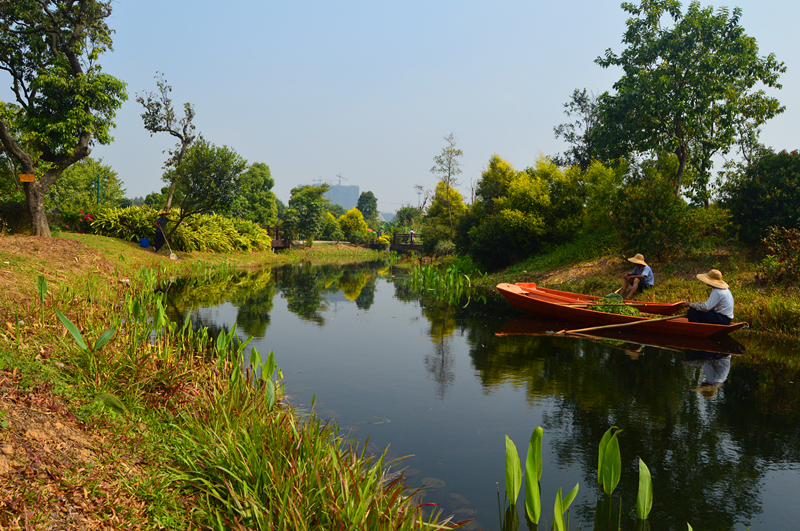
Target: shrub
766	194
76	220
783	260
351	222
651	219
444	248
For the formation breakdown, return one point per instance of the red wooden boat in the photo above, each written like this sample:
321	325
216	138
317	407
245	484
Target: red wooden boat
566	306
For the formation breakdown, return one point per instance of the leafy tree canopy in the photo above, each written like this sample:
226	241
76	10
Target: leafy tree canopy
352	222
210	180
256	201
368	205
688	88
64	102
494	182
305	212
78	186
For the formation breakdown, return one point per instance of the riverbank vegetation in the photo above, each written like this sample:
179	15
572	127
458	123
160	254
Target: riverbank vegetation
115	416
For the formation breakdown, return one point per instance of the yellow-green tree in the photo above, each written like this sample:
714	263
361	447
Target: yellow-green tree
352	222
494	182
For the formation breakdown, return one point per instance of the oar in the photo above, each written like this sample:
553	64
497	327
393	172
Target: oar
621	325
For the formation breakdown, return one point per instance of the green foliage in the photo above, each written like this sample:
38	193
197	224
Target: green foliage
368	205
444	248
513	472
64	103
256	201
305	215
494	182
78	187
613	304
603	185
209	179
688	88
560	507
447	205
765	195
609	462
651	220
407	215
351	223
783	261
330	229
205	232
76	220
533	475
644	498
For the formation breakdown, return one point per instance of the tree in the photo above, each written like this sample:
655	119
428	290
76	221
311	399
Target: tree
64	102
446	168
352	222
159	117
78	186
305	212
368	205
686	87
584	106
210	180
256	201
407	215
494	182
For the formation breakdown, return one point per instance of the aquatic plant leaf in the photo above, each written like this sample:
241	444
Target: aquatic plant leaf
104	338
72	329
513	472
570	497
601	450
533	473
644	500
612	465
558	513
690	526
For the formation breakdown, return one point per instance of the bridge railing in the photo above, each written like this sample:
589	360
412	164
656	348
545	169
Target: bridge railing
406	239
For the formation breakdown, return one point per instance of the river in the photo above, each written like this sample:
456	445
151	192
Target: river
441	385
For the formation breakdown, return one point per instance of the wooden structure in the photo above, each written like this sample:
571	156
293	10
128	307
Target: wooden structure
274	232
405	242
576	308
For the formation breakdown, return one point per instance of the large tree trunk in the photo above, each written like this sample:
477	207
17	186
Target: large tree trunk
34	193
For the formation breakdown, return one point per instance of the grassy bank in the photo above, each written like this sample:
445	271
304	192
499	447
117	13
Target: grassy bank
594	265
113	417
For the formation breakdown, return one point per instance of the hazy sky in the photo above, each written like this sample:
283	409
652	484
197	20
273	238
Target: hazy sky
368	90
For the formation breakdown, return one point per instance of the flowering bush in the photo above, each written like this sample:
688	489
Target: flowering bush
76	221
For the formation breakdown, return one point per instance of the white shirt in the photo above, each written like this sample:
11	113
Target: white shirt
720	300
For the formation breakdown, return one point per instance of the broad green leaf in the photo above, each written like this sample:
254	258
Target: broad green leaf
41	284
612	465
601	450
644	500
690	526
104	338
570	498
558	513
72	329
513	472
533	473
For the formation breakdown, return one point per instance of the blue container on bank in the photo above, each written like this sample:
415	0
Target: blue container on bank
144	242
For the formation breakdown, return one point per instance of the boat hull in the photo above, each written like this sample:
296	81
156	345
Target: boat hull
551	307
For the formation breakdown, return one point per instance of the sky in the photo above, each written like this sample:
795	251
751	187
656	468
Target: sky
369	90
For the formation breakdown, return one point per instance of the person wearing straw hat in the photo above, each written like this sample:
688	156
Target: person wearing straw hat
640	279
161	228
718	309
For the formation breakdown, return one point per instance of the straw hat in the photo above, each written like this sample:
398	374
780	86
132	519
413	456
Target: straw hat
713	278
638	259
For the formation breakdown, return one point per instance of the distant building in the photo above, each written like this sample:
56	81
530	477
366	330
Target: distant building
344	196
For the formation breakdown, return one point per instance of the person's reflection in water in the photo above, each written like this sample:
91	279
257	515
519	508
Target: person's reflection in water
716	367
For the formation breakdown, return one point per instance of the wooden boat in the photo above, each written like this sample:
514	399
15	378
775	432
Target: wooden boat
659	308
553	304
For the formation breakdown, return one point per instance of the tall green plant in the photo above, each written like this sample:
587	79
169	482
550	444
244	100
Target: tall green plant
609	461
644	500
533	474
562	506
513	472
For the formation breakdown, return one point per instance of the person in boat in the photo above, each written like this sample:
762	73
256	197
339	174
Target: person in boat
161	228
718	309
638	280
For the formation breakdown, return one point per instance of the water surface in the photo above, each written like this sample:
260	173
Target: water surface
720	433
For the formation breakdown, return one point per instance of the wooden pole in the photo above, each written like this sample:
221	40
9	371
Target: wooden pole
621	325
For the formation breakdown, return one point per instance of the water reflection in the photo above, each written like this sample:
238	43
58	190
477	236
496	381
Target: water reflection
453	380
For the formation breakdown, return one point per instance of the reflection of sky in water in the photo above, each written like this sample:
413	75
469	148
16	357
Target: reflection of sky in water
449	400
